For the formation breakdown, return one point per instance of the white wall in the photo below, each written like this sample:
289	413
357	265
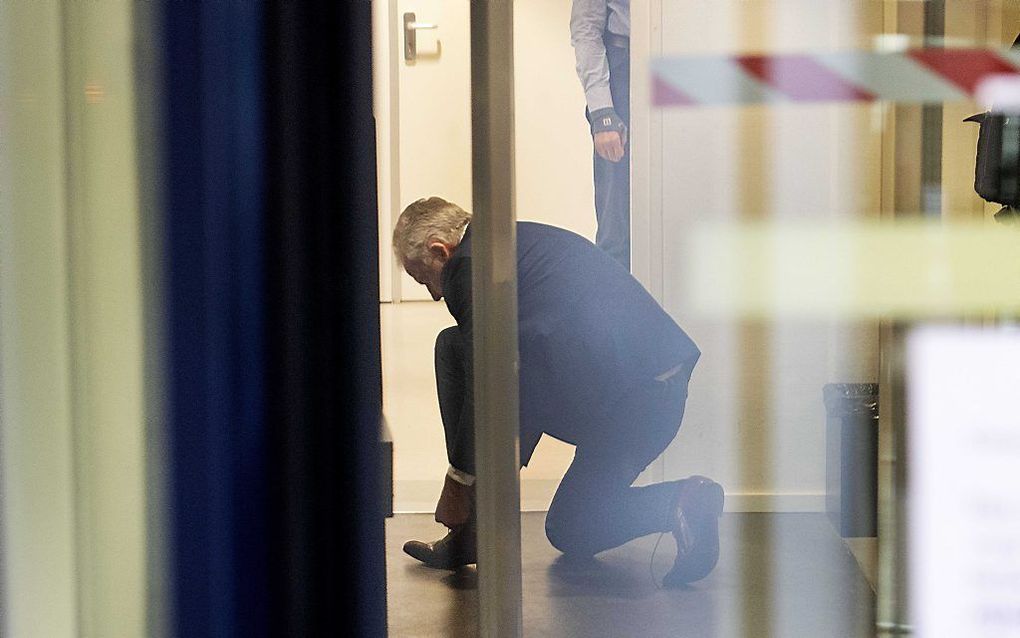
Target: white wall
553	145
755	418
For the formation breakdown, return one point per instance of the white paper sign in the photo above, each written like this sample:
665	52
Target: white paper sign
963	405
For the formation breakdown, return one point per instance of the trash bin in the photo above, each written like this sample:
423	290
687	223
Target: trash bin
851	463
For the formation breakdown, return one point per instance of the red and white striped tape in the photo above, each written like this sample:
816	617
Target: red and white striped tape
910	76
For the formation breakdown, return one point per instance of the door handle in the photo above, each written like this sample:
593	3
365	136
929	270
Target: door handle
411	26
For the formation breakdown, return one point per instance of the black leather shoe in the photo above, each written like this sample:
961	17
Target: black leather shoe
456	549
696	531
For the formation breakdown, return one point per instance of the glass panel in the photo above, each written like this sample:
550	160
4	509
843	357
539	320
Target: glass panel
802	193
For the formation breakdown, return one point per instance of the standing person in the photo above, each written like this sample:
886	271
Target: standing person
600	34
602	367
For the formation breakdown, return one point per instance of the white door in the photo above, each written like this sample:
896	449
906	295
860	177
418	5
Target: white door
424	115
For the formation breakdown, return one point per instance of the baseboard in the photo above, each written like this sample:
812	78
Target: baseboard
775	502
416	497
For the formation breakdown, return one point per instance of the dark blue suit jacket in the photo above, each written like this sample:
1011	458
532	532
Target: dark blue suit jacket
589	333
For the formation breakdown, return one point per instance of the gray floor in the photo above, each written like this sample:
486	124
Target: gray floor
778	575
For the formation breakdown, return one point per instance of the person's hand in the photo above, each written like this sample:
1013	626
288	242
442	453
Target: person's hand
609	145
454	506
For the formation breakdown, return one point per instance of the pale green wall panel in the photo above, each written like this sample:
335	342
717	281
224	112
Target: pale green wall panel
36	458
73	369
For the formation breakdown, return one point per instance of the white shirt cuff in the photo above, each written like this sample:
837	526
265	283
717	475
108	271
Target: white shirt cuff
461	477
598	97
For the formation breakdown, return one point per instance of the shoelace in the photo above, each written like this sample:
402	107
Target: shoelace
685	532
651	563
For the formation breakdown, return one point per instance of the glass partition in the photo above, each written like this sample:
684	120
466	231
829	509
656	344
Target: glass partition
804	184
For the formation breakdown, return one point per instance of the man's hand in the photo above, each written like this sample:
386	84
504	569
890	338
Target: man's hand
609	145
454	506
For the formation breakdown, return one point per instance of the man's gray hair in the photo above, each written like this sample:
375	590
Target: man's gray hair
425	221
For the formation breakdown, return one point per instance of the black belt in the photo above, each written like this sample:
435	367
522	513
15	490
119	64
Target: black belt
614	40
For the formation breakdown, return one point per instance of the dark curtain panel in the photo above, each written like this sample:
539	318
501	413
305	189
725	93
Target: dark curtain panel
214	267
325	399
273	367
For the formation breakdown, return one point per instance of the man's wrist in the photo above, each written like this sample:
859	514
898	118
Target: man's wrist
606	119
461	477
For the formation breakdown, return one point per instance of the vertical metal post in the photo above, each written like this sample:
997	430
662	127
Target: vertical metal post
893	603
931	119
494	280
892	614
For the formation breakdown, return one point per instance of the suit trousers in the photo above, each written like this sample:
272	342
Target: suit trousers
612	179
596	507
451	383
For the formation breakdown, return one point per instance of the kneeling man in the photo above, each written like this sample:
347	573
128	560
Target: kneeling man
602	367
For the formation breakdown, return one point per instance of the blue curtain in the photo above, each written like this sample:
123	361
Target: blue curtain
214	228
271	283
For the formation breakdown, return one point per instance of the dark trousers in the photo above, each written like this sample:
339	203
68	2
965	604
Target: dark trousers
451	383
595	507
612	179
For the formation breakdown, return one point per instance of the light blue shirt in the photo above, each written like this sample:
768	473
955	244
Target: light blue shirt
589	19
